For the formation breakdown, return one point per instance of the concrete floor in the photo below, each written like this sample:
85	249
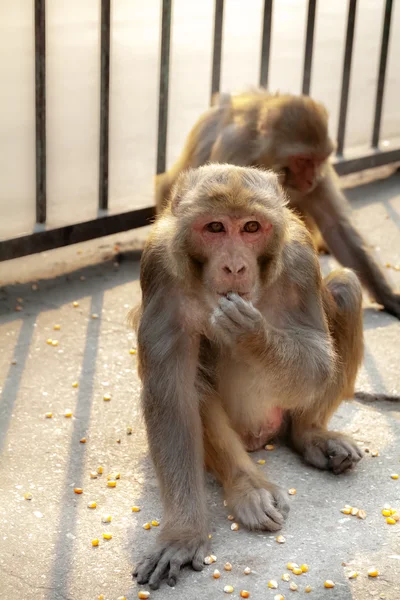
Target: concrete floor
45	543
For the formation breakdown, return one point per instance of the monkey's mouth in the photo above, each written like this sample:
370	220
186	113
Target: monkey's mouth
244	295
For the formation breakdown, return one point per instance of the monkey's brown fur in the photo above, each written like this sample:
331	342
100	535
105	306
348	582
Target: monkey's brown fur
272	131
221	372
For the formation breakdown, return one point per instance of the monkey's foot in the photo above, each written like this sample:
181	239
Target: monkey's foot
330	450
166	559
257	504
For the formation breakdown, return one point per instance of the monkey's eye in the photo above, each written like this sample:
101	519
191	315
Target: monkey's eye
215	227
251	226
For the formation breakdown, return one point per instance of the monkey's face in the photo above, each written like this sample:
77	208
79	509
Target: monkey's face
304	171
229	251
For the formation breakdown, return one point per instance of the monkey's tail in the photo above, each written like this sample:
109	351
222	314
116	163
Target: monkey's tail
368	397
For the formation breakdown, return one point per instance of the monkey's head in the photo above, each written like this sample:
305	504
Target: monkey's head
294	130
228	227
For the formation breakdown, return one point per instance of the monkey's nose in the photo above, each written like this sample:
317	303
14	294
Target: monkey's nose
234	269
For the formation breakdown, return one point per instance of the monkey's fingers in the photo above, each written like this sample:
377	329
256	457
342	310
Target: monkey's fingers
337	453
147	565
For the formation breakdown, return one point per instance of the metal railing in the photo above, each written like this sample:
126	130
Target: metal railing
45	239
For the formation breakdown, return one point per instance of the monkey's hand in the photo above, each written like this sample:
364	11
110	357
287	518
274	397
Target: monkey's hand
329	450
235	318
166	558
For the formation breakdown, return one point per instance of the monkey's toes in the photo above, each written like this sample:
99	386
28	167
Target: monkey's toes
338	454
262	509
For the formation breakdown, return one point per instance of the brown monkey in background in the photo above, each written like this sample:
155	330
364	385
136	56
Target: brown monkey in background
239	340
288	134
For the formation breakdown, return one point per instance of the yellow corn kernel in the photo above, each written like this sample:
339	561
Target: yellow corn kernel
111	484
279	597
235	526
386	512
129	431
247	571
49	341
280	539
94	316
352	575
68	413
216	574
78	490
106	519
394	476
230	517
308	588
285	577
100	470
373	572
270	447
345	511
113	476
135	508
209	536
95	542
297	571
75	384
132	351
28	496
304	568
291	566
292	491
155	523
143	595
244	594
228	566
147	526
396	518
83	440
107	536
92	505
101	597
93	475
391	521
374	453
329	584
48	415
228	589
272	584
54	343
261	461
354	511
209	560
393	511
107	397
121	598
362	514
75	304
293	586
213	557
56	327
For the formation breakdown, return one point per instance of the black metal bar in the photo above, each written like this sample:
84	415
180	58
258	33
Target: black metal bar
382	73
104	101
217	46
164	85
308	53
40	108
73	234
266	43
348	55
367	161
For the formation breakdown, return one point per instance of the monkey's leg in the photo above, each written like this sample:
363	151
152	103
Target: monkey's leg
255	502
309	434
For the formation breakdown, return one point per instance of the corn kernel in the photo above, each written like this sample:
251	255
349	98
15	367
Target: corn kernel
113	476
68	413
78	490
83	440
106	519
143	595
135	508
291	566
107	536
362	514
329	584
292	491
297	571
121	598
111	484
216	574
352	575
225	503
155	523
132	351
293	586
75	384
285	577
386	512
345	511
100	470
396	518
101	597
92	505
393	511
394	476
261	461
304	568
129	431
213	557
308	588
56	327
235	526
208	560
270	447
272	584
247	571
93	475
75	304
279	597
244	594
49	341
373	572
228	566
230	517
54	343
95	316
28	496
209	536
374	453
95	542
280	539
107	397
228	589
48	415
147	526
391	521
354	511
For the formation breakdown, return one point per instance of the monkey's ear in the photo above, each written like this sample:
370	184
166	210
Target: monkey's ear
185	182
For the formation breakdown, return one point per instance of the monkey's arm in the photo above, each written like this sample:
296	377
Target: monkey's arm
234	145
327	206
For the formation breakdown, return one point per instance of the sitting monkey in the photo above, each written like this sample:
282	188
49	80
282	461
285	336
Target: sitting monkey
239	339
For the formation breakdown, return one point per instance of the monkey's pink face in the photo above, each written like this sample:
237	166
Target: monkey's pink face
304	172
231	252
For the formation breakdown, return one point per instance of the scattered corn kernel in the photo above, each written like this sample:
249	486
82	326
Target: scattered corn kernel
143	594
213	557
354	511
148	526
216	574
78	490
230	517
92	505
68	413
293	586
107	397
374	453
107	536
54	343
391	521
93	475
308	588
95	542
261	461
49	341
280	539
297	571
113	476
393	511
235	526
273	584
373	572
244	594
329	584
209	536
291	566
396	518
83	440
48	415
270	447
132	351
155	523
135	508
75	304
228	589
286	577
228	566
106	519
279	597
101	597
75	384
292	491
100	470
394	476
304	568
28	496
362	514
345	511
56	327
111	484
247	571
95	316
129	431
352	575
121	598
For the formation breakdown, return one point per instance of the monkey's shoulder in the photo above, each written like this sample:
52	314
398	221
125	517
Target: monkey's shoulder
299	257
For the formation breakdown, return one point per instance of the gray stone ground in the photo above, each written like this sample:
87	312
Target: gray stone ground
45	543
